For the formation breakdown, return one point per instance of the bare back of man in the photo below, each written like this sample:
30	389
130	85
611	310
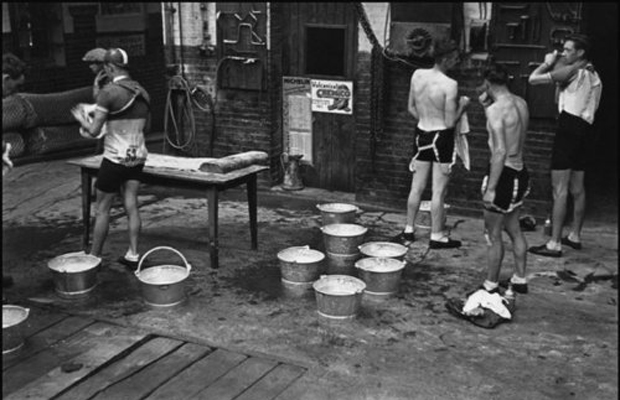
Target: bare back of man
512	114
434	96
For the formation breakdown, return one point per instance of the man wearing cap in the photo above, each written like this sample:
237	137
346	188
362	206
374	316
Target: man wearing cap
123	105
94	58
433	103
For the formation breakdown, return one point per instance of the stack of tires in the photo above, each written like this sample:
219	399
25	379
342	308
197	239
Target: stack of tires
38	124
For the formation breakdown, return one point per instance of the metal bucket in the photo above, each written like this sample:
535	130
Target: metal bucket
342	264
343	238
300	264
337	213
338	296
381	275
423	218
383	250
163	285
13	321
74	274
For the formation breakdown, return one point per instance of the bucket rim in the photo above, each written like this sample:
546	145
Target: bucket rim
399	248
334	208
282	253
397	265
87	258
361	285
25	312
178	267
360	230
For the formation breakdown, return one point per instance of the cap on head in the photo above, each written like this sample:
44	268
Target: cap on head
116	57
94	56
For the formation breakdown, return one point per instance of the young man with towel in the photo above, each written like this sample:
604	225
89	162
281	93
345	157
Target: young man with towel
507	180
579	95
123	105
433	103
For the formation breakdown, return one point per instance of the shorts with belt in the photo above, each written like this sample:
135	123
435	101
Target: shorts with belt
434	146
512	187
572	143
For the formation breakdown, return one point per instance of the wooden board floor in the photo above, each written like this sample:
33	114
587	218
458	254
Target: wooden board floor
71	357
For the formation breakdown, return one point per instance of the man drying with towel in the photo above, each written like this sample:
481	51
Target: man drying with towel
123	105
433	103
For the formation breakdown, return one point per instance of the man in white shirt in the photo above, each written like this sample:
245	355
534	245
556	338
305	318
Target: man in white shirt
579	96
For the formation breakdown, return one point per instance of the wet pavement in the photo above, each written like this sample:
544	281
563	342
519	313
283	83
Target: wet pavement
561	344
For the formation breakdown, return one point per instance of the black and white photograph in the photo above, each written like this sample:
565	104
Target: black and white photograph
310	201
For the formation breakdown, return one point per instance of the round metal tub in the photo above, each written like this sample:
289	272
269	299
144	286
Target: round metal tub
74	274
338	296
337	213
13	320
381	275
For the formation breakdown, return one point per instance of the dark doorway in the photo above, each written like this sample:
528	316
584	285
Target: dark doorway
601	24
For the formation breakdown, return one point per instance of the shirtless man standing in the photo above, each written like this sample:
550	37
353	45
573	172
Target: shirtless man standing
507	181
433	103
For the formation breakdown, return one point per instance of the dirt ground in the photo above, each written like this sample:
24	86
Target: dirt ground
561	344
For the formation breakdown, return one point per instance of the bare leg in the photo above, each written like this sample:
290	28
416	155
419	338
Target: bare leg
559	181
102	221
441	177
130	197
577	190
519	244
418	184
493	222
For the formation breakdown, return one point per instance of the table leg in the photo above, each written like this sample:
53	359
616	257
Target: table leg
86	194
212	241
251	188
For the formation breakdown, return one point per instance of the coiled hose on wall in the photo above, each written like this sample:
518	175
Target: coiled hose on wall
179	122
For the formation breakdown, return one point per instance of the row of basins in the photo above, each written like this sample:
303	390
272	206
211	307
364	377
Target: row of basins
349	270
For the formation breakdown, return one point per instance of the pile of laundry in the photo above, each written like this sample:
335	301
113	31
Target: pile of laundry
482	308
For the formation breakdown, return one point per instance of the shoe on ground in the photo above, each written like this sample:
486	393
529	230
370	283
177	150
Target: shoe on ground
450	244
516	287
404	238
570	243
542	250
133	265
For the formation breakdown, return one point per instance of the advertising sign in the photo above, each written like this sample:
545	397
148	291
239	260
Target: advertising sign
332	97
297	117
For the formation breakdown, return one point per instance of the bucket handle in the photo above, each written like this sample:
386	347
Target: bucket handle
187	265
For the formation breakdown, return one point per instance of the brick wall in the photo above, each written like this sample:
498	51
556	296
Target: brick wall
251	120
388	182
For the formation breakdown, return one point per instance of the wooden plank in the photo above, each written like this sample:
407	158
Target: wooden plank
237	380
273	383
121	369
94	346
46	338
198	376
150	378
305	388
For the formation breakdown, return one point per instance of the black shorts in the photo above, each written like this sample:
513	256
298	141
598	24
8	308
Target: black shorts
512	187
443	149
572	143
111	175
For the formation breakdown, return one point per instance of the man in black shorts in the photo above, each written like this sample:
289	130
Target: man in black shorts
123	105
579	97
433	103
507	181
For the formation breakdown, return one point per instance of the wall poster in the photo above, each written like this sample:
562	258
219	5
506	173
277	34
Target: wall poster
297	117
332	97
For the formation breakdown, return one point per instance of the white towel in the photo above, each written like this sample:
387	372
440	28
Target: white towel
460	140
484	299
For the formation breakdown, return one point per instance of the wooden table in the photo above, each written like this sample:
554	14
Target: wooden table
211	182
